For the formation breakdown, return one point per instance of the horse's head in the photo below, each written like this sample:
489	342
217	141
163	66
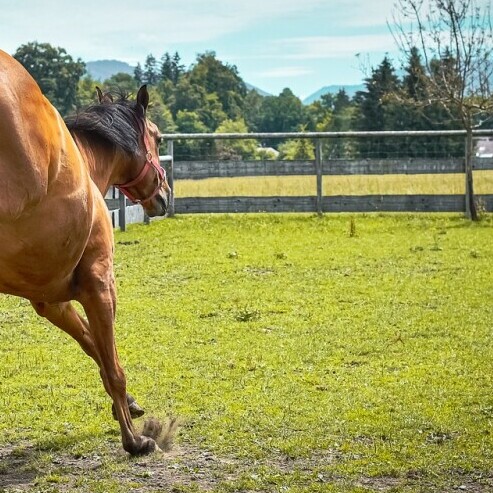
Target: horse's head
144	180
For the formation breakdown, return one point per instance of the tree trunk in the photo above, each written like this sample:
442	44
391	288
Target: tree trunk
471	211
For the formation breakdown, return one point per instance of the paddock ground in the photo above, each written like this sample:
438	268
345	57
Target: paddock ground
348	353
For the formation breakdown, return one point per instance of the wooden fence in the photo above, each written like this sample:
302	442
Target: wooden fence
319	167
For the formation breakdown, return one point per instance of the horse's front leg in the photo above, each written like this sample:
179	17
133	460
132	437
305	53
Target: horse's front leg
66	317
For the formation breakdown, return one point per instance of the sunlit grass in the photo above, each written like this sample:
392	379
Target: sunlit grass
333	185
312	354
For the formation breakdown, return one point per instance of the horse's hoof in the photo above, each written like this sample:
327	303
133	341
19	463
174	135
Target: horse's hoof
135	410
143	446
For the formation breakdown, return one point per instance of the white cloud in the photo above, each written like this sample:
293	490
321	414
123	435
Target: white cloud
285	72
92	25
323	47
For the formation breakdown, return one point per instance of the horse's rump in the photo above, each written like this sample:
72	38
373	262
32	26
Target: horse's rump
46	194
33	141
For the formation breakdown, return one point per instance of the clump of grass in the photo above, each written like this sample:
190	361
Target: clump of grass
352	227
247	315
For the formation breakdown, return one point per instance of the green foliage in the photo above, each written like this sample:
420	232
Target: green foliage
252	110
211	95
122	83
55	71
86	92
190	122
171	68
221	79
235	149
159	113
373	112
138	74
150	73
283	113
297	149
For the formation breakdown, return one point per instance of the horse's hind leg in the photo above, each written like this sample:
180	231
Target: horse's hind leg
99	307
97	296
66	317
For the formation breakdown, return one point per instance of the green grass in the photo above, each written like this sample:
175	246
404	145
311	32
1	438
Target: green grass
344	353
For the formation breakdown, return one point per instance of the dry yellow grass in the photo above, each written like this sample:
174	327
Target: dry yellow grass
333	185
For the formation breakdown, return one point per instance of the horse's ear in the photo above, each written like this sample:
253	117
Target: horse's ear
143	99
100	94
104	98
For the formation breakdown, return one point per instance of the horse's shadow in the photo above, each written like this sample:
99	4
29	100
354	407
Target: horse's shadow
22	464
18	466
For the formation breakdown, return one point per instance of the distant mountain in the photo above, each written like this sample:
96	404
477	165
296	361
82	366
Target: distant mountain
104	69
351	90
250	87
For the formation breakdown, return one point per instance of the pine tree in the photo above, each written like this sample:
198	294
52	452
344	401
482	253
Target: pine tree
177	68
150	75
375	112
138	74
166	67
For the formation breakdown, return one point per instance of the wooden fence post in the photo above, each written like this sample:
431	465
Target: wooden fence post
170	178
318	170
122	211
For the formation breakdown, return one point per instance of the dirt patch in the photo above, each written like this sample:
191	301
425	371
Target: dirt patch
23	468
16	470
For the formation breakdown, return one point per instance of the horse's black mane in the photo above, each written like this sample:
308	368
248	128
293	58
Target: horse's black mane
115	122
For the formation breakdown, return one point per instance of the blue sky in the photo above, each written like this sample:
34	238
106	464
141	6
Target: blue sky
301	44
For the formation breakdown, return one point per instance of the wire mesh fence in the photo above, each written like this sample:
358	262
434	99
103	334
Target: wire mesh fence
322	165
326	172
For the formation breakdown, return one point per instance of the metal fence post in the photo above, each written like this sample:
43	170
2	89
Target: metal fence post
318	170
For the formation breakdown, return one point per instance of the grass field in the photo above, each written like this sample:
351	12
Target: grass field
348	353
334	185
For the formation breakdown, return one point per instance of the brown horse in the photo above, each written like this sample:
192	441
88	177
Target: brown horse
56	238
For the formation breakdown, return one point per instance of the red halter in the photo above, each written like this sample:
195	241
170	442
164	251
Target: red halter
150	163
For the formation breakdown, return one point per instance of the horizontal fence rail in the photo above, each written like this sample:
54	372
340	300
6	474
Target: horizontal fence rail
197	170
318	167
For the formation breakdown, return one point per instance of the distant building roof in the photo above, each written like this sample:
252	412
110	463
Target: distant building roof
484	146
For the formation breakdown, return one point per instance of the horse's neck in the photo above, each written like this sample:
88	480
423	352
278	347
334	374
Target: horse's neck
100	161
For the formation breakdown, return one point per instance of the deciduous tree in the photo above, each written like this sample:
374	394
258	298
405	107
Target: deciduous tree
55	71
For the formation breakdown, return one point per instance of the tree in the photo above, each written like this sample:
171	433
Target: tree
235	149
150	74
251	109
375	112
189	122
222	79
371	102
171	68
122	83
55	71
177	68
283	113
455	39
138	74
86	92
297	149
159	113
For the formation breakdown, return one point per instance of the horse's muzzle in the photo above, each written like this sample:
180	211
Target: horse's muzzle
160	205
